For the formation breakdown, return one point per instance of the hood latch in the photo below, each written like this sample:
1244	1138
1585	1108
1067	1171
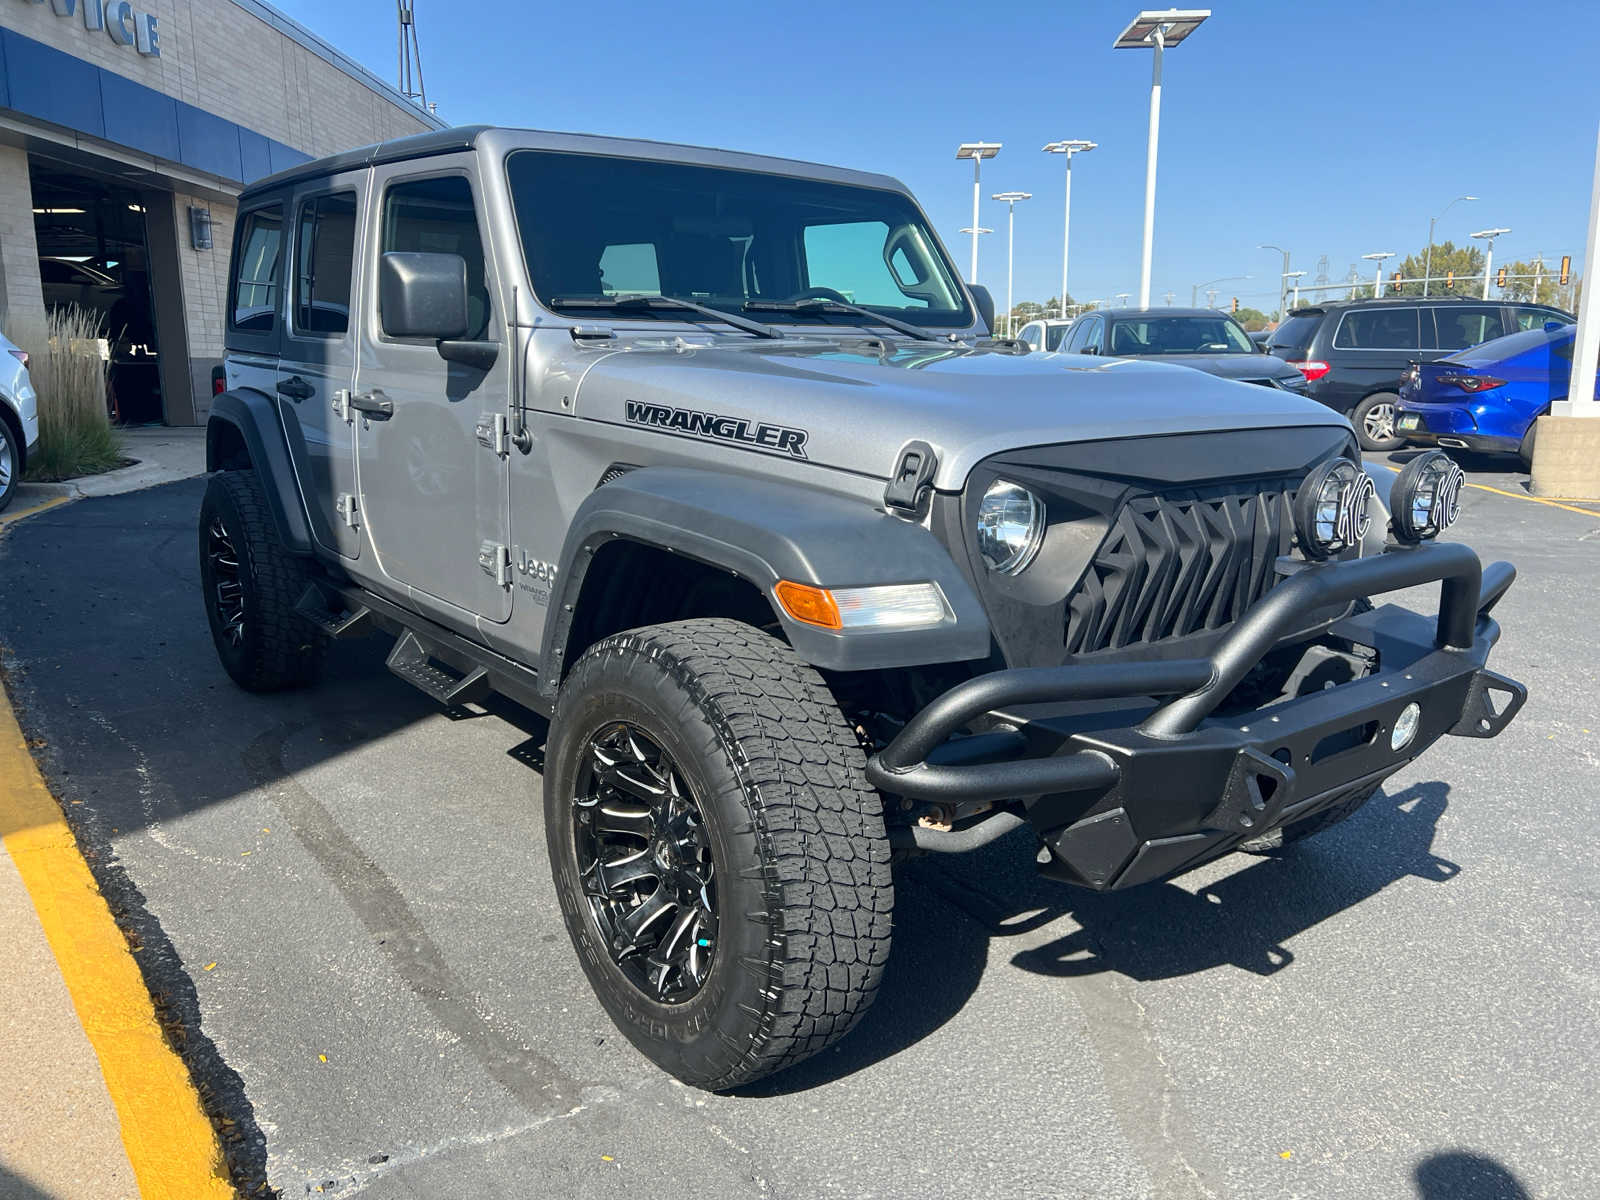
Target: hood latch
912	480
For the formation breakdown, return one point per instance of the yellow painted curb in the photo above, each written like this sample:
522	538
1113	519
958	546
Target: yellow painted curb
170	1144
1484	487
11	518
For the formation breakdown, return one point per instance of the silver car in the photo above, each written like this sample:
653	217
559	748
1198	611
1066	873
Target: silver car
19	418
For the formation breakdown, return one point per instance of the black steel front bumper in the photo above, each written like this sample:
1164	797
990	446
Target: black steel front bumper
1128	776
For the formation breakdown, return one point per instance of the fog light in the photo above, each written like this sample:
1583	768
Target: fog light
1426	498
1331	508
1405	727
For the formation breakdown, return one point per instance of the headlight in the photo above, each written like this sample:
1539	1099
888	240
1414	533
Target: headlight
1331	512
1010	527
1426	497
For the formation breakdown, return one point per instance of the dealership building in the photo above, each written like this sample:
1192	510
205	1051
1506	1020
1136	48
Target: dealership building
127	130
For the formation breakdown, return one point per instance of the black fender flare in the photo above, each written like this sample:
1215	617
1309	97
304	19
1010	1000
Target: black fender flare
252	415
763	531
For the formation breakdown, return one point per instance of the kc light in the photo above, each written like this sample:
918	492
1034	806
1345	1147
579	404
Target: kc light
1010	527
1427	497
1331	508
885	606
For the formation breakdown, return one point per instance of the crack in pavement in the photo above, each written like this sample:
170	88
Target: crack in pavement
534	1081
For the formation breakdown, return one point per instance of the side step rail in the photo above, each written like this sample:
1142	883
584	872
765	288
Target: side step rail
411	660
313	606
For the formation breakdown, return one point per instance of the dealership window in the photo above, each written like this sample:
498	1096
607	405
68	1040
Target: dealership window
324	255
436	216
1463	327
1378	329
255	294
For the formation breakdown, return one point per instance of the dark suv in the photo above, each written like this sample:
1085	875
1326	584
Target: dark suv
1355	353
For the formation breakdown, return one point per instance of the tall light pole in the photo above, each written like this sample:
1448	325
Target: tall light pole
1283	280
977	152
1122	299
1156	30
1489	235
1194	290
1427	271
1069	148
1377	282
1011	199
1294	275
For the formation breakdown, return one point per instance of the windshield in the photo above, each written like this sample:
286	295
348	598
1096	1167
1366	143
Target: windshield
1139	336
596	227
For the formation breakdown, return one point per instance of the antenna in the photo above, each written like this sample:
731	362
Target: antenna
410	56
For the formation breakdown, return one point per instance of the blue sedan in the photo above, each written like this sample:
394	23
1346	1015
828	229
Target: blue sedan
1487	398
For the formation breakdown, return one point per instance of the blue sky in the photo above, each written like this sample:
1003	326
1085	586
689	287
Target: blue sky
1326	128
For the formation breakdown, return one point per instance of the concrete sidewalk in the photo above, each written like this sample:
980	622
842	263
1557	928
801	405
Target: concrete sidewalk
59	1133
160	454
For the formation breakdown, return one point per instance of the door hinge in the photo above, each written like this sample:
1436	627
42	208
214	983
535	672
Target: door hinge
495	559
493	432
345	505
341	404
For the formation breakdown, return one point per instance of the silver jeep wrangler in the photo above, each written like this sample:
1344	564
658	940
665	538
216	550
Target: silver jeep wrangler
710	459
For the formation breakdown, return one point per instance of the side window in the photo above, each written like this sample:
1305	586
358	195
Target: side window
436	216
1534	318
1030	334
1054	334
1378	329
255	271
1086	333
1466	325
324	255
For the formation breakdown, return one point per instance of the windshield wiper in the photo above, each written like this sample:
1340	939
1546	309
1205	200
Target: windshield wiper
664	302
821	304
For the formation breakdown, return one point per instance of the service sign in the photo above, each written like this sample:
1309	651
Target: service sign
117	19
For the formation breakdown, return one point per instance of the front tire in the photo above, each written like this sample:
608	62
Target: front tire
10	462
251	584
1374	422
720	859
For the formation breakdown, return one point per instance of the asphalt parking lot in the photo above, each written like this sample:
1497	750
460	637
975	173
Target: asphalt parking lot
342	896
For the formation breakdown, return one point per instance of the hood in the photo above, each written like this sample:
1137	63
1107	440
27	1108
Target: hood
1233	366
846	406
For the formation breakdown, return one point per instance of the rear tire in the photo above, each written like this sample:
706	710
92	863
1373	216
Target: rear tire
1374	422
702	775
251	585
10	461
1525	450
1284	836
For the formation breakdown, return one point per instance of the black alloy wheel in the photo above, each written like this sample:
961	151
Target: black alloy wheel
227	592
644	858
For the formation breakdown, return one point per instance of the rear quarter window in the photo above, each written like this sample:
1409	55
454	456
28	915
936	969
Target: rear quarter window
1296	333
1378	329
256	258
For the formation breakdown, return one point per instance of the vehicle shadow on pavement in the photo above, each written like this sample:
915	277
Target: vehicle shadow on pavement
950	910
14	1187
1464	1175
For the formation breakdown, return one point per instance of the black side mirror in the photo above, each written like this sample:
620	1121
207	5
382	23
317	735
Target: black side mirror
422	295
985	303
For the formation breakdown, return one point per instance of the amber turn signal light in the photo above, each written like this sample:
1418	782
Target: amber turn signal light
811	605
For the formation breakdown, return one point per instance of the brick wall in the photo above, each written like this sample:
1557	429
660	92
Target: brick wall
22	297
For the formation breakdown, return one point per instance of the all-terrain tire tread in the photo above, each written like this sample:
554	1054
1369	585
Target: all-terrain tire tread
818	821
289	650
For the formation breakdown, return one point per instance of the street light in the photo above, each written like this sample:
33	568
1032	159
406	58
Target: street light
1194	291
1122	299
1377	283
1011	199
1069	148
1158	30
1283	282
1427	271
1489	235
977	152
1294	275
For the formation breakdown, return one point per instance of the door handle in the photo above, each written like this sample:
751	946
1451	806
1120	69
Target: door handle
374	403
295	388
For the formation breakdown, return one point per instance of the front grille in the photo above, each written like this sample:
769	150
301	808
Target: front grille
1179	564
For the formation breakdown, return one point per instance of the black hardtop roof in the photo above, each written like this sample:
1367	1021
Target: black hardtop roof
1168	311
467	137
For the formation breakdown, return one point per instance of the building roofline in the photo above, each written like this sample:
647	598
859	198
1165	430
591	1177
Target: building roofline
296	32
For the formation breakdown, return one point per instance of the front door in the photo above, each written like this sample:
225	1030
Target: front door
318	361
433	471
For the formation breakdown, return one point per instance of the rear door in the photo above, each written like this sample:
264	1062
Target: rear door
318	361
1370	352
1459	326
433	474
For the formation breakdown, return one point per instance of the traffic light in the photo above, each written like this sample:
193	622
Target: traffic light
1235	304
1500	278
1566	268
1449	279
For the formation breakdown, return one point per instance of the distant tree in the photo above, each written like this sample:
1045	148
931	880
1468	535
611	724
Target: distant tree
1465	261
1252	319
1550	289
